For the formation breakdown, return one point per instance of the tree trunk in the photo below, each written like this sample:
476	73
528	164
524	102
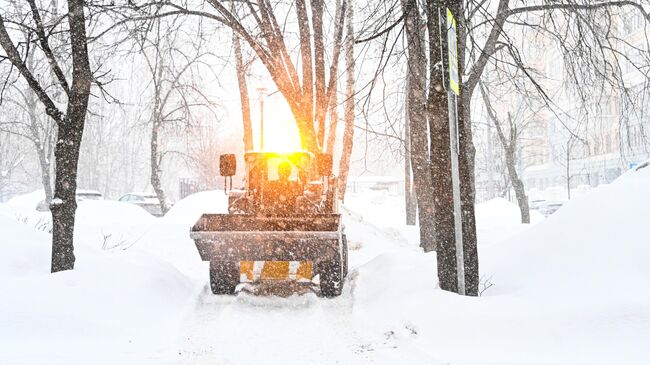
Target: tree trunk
155	159
490	166
243	94
410	202
334	121
155	165
306	112
305	123
70	132
416	95
46	178
321	104
437	108
468	194
348	115
509	145
331	90
518	185
511	164
39	142
64	204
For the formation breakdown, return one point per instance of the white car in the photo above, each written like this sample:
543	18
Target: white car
536	204
147	201
550	207
89	195
82	194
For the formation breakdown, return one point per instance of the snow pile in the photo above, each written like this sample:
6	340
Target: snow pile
24	250
111	306
570	289
597	242
187	211
107	225
497	219
23	208
383	211
169	237
107	212
26	201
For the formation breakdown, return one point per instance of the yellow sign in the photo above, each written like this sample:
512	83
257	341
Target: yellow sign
452	45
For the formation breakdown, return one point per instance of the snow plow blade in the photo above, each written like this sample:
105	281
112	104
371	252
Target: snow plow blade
238	237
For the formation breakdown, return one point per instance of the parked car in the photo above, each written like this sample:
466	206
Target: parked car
550	207
535	204
147	201
82	194
89	195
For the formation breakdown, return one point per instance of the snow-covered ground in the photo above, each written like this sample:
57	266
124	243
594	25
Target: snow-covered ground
573	288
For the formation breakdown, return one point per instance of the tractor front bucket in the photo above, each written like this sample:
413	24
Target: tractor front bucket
245	248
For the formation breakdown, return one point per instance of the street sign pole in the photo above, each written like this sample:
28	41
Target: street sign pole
452	92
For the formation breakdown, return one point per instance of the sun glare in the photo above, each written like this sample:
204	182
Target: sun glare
280	130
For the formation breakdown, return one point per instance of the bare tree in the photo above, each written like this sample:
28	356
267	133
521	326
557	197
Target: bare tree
410	200
418	122
175	91
10	161
35	127
333	108
240	68
308	96
69	120
510	148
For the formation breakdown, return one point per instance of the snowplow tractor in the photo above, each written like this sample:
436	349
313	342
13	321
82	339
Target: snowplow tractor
283	225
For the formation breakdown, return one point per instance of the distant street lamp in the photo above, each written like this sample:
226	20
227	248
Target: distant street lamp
262	92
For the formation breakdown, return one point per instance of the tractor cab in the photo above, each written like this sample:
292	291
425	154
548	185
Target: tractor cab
281	183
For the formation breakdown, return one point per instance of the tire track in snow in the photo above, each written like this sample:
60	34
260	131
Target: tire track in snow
246	329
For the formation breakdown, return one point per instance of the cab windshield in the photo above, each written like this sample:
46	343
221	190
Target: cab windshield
272	169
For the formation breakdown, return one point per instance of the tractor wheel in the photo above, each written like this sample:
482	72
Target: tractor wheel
224	277
345	257
331	278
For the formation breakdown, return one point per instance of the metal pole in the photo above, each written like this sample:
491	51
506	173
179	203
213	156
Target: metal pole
449	41
455	179
262	122
262	91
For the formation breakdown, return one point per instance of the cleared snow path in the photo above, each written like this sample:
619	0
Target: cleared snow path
300	329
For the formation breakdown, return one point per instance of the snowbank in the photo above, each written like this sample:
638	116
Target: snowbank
24	251
26	201
111	225
571	289
114	305
383	211
596	242
187	211
23	208
169	237
498	219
